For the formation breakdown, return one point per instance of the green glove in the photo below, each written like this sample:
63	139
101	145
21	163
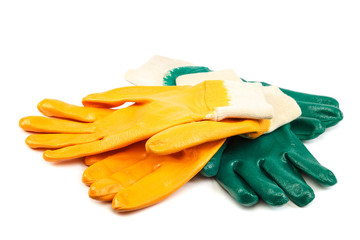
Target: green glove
269	167
246	172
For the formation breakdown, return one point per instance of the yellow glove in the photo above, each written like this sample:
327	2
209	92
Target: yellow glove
134	178
155	109
141	178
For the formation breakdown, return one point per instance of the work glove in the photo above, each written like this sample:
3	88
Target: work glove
319	112
88	130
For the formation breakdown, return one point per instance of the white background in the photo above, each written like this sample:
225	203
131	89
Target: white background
68	49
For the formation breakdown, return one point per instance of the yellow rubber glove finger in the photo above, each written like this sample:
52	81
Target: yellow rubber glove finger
54	141
106	187
132	168
90	160
91	148
59	109
56	108
192	134
117	97
53	125
105	164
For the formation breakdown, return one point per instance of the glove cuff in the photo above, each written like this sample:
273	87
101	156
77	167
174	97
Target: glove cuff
229	99
152	72
285	108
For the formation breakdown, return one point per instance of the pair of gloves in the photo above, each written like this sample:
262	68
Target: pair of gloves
138	155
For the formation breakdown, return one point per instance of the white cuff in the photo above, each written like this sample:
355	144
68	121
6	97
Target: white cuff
245	100
153	71
285	108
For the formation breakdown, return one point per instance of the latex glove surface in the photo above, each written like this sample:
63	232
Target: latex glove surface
155	109
245	180
133	178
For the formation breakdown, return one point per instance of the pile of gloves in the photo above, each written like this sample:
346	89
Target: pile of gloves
186	119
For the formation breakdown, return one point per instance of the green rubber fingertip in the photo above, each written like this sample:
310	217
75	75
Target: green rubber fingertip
337	115
328	178
212	167
237	189
302	195
209	170
328	115
275	198
307	128
246	199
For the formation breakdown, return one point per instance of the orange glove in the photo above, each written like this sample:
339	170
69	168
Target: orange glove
155	109
141	178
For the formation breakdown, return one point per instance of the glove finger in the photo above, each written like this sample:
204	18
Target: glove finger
53	141
306	97
237	188
150	189
306	128
105	144
328	115
212	167
52	125
119	96
266	188
90	160
164	180
307	163
195	133
289	179
111	162
111	181
310	98
56	108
